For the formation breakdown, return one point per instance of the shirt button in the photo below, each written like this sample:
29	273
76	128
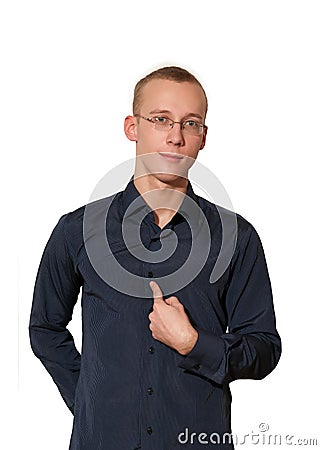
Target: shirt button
150	391
149	430
151	349
150	274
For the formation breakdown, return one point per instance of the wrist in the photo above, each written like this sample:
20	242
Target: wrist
189	343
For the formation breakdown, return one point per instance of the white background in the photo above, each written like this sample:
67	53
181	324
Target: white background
67	76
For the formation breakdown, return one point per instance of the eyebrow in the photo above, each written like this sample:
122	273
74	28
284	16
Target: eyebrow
166	111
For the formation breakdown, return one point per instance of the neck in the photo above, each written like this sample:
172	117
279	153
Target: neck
163	196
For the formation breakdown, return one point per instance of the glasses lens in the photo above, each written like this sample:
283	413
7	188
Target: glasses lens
162	123
192	127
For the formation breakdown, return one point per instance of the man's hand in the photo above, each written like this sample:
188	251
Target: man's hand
169	322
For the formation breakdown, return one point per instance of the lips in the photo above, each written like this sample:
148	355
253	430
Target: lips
171	156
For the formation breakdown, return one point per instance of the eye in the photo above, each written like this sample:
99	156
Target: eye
161	120
191	124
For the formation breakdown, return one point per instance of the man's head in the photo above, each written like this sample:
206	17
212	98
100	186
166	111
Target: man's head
171	73
169	111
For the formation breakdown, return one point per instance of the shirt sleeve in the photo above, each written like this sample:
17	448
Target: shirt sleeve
55	293
252	347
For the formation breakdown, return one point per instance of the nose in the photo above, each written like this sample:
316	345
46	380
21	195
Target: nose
175	135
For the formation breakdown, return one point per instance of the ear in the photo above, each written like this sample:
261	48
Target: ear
203	138
130	126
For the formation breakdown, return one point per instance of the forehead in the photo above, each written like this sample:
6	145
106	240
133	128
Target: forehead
179	98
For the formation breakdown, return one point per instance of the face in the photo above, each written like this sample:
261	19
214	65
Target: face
167	152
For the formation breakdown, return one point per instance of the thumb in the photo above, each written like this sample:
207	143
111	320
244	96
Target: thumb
157	292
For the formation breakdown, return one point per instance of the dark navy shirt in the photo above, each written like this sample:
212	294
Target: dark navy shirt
126	389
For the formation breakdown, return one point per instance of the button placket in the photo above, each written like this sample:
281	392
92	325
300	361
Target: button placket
148	390
149	404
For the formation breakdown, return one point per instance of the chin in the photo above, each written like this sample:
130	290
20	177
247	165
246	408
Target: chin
168	177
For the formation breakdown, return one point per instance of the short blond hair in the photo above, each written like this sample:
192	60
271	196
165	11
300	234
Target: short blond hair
173	73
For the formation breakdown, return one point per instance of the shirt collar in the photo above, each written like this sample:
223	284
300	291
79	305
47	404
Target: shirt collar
130	194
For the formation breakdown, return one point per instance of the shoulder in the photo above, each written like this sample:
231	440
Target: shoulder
73	220
228	219
71	225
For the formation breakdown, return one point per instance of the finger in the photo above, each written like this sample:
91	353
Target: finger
157	292
172	301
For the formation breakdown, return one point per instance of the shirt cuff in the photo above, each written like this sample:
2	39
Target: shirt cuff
206	356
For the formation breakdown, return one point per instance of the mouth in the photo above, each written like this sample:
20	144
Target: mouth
171	156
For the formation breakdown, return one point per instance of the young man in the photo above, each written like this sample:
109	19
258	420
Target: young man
159	350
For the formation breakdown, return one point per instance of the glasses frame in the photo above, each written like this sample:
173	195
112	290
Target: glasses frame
172	122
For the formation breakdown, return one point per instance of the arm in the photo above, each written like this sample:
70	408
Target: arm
55	294
252	346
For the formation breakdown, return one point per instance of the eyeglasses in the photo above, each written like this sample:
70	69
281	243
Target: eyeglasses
189	126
